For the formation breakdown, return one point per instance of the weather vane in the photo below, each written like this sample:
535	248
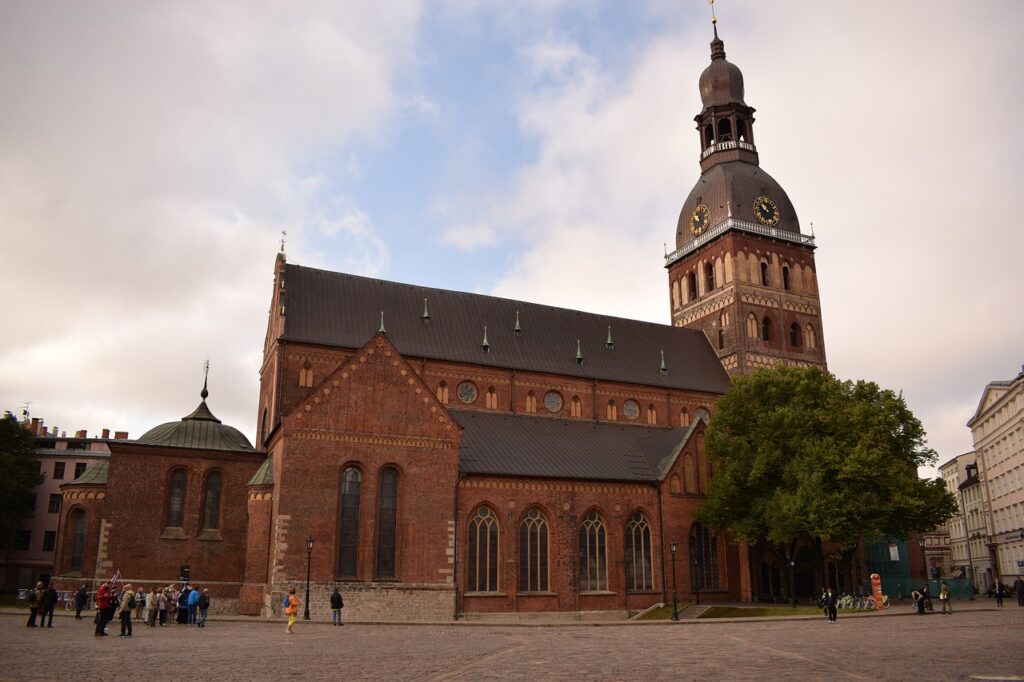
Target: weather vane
284	235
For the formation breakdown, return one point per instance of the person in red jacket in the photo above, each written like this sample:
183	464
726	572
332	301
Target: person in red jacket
104	610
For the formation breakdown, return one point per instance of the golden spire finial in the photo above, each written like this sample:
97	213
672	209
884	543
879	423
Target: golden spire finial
714	19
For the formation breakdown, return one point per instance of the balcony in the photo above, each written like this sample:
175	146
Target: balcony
725	146
742	226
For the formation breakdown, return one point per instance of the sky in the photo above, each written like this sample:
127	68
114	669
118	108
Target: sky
151	154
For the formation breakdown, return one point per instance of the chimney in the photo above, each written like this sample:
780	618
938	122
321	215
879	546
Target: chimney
106	433
34	428
120	435
81	434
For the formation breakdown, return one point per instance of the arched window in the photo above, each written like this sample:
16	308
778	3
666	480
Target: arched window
691	285
709	135
575	407
639	572
263	425
533	552
764	273
794	335
79	524
652	414
442	392
766	329
387	522
482	541
531	402
612	413
751	326
741	130
709	277
491	399
593	566
674	486
721	339
785	277
724	130
684	417
704	558
176	500
348	543
689	476
211	501
306	375
810	338
675	294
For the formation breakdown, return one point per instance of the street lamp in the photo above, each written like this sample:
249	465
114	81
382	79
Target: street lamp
924	562
672	547
696	578
309	557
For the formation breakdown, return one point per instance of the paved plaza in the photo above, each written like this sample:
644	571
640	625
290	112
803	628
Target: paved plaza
968	645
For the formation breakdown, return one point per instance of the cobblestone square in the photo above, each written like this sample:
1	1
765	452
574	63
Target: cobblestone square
968	645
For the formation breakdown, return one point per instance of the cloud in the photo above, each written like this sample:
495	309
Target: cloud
469	237
151	155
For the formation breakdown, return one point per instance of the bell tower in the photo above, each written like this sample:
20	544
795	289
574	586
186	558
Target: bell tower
742	271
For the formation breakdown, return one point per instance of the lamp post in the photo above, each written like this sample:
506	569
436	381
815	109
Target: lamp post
672	547
696	581
309	558
924	562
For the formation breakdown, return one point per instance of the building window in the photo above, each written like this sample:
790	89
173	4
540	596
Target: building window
751	326
764	273
306	375
684	417
491	399
348	546
575	407
785	277
211	501
652	414
766	329
675	295
721	339
674	486
709	277
553	401
22	539
80	526
704	558
533	553
810	338
55	499
442	392
631	409
176	500
49	540
387	522
639	574
58	471
531	402
482	570
691	286
612	413
467	392
794	335
593	569
79	468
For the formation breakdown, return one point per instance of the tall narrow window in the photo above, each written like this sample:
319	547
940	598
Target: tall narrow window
652	414
704	558
442	392
709	277
785	277
794	335
751	326
531	402
211	502
575	407
482	541
810	338
58	471
593	566
684	417
612	413
176	500
306	375
721	339
491	399
764	273
766	329
639	574
79	527
691	286
533	552
387	520
348	545
675	294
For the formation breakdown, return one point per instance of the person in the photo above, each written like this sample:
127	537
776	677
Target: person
140	603
34	598
127	607
103	596
944	597
337	604
1018	587
204	606
918	601
999	590
183	606
47	605
80	598
193	605
926	597
162	600
831	604
152	607
291	610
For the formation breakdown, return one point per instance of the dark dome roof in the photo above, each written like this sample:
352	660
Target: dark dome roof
199	430
728	190
721	82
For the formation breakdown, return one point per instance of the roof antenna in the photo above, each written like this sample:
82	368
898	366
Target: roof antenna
812	229
284	238
381	329
206	375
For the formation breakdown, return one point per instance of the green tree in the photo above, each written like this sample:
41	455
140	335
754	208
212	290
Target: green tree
800	457
19	475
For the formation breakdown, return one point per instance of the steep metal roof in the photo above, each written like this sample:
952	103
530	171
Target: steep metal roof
93	475
344	310
515	445
265	474
199	430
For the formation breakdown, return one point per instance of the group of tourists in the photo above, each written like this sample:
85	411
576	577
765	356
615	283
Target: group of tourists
190	605
41	601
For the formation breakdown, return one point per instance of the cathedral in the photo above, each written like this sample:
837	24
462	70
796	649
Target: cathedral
437	454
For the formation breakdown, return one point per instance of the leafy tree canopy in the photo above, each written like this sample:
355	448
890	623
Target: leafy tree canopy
19	475
800	456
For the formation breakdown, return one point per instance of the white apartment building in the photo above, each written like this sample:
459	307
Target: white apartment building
997	428
954	472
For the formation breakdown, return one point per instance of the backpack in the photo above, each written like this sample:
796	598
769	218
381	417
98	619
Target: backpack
32	597
131	602
286	601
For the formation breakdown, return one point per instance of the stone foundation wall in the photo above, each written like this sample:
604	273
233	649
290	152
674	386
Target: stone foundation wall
371	602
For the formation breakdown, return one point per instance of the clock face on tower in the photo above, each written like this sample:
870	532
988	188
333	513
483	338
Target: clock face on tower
766	212
699	220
